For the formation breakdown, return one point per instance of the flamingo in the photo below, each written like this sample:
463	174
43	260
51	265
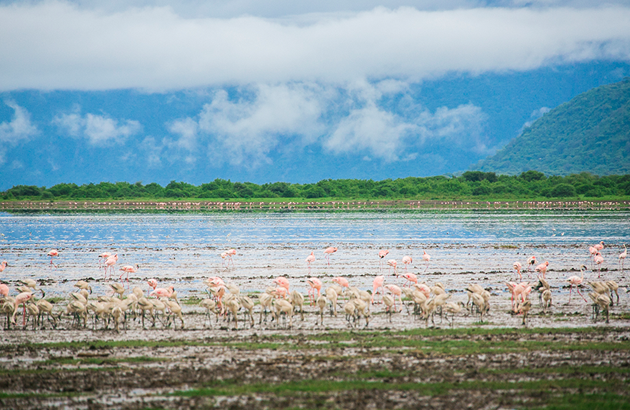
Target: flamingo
3	265
427	258
162	292
396	291
542	268
406	260
392	263
531	261
599	246
102	258
310	259
329	251
382	254
110	263
282	282
411	278
517	266
316	285
52	253
622	257
128	269
376	285
343	282
575	280
599	259
21	299
4	290
230	253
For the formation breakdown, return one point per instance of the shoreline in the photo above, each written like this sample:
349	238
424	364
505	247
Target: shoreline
290	206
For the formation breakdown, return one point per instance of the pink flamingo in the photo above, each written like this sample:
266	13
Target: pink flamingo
52	253
393	264
310	259
152	283
3	266
396	291
230	253
21	299
315	285
110	263
329	251
427	258
382	254
424	289
343	282
128	269
280	292
575	280
406	260
542	268
162	292
531	262
516	292
102	258
411	278
622	257
282	282
517	266
511	286
599	246
376	285
4	290
215	281
599	259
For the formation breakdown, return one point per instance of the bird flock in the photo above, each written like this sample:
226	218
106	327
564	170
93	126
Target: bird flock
279	303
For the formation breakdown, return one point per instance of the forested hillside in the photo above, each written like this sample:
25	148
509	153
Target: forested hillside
472	184
590	133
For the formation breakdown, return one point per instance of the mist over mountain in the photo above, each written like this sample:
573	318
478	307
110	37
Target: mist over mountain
589	133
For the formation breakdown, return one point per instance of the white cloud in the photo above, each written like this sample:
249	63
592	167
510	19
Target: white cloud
99	130
536	114
56	45
277	118
246	128
18	129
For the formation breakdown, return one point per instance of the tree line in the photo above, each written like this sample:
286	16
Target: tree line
470	185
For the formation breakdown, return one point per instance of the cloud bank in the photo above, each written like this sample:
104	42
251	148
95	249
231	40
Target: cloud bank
15	131
57	45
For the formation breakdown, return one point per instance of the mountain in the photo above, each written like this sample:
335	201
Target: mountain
590	133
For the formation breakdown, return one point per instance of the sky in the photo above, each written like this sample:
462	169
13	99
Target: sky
292	91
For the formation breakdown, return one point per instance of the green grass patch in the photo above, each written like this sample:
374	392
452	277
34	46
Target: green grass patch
599	401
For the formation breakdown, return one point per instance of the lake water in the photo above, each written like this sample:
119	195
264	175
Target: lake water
184	249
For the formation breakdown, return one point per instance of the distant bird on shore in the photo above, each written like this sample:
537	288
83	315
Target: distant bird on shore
3	266
329	251
622	257
310	259
517	267
406	260
382	254
427	258
577	281
52	253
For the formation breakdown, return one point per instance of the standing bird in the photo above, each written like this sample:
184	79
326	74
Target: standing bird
517	267
110	264
102	258
310	259
622	257
376	285
329	251
427	258
531	262
3	265
128	269
406	260
599	259
393	264
52	253
382	254
230	253
599	246
315	285
410	278
21	299
282	282
396	291
542	268
575	280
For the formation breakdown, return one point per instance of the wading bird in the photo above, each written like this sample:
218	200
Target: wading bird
329	251
575	280
52	253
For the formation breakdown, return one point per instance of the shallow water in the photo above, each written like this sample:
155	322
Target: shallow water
184	249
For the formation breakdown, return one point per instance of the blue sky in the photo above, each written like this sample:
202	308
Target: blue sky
291	91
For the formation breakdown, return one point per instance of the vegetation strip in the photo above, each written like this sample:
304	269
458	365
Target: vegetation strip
416	338
232	388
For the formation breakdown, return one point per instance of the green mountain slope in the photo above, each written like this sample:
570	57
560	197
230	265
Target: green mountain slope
589	133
